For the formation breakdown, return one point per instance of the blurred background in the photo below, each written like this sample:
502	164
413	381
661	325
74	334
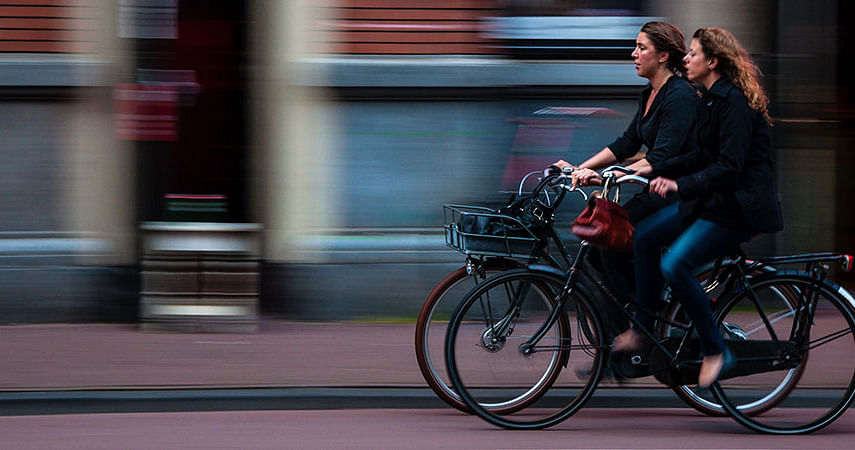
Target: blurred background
208	163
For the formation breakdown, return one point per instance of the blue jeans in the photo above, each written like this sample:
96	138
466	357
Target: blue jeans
690	245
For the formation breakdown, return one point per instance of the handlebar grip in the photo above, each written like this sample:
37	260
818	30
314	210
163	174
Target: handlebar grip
555	170
551	170
619	169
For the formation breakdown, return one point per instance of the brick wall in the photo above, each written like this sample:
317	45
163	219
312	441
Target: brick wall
403	27
48	26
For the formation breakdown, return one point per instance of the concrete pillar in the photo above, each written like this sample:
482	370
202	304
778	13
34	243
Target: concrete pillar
292	139
101	170
753	23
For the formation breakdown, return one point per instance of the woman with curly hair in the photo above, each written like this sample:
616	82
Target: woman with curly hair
726	196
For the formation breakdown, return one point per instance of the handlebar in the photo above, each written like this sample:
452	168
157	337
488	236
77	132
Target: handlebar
633	179
611	180
554	176
617	168
628	176
555	170
564	175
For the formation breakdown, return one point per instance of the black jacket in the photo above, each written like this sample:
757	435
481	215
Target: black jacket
730	179
665	127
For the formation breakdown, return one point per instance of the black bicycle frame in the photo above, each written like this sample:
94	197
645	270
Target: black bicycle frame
731	273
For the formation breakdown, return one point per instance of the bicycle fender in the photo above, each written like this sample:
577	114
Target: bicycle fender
845	294
548	269
830	285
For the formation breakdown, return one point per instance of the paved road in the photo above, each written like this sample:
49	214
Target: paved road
399	429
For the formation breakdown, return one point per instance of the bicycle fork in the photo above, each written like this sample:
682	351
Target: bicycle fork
495	335
529	347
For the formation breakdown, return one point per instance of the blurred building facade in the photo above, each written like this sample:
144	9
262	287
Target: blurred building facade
67	222
341	127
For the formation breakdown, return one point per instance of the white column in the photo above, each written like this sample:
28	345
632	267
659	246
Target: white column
101	169
291	130
752	22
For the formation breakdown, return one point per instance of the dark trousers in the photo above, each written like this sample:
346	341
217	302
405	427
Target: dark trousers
689	246
616	268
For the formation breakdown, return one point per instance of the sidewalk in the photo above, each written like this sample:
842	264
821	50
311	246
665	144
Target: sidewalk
54	357
280	354
285	365
67	368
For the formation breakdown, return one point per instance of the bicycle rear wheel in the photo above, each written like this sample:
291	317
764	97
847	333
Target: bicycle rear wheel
433	322
703	400
488	361
821	383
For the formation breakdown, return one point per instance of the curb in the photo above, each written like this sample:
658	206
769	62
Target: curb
254	399
124	401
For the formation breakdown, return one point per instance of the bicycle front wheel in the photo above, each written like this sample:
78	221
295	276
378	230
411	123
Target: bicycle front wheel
807	367
494	363
433	322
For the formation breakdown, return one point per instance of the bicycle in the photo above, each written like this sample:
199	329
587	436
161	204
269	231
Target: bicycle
487	255
507	340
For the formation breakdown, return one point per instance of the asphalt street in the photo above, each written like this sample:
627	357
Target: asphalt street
591	428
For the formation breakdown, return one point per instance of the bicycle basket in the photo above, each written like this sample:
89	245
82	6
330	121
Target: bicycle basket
475	230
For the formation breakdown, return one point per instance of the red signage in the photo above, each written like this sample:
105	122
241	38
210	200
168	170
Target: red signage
146	112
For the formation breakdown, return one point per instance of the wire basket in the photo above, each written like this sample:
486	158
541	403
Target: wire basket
521	244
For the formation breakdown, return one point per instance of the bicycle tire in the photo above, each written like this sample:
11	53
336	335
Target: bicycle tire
702	400
493	368
428	325
820	396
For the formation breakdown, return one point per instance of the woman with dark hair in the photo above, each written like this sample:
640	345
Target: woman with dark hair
727	196
666	113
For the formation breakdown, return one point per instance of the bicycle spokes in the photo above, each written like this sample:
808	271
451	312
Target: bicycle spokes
807	371
526	356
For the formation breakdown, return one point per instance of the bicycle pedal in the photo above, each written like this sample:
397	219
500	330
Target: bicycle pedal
628	365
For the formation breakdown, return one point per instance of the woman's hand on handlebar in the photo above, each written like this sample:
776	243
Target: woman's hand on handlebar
561	164
663	186
585	177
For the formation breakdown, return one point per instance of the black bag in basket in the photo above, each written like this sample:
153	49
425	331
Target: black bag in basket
531	212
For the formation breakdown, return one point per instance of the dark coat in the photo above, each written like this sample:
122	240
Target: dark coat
665	127
730	177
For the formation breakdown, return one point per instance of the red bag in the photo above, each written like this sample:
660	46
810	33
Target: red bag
605	224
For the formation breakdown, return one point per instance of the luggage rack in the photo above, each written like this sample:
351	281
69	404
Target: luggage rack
522	244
